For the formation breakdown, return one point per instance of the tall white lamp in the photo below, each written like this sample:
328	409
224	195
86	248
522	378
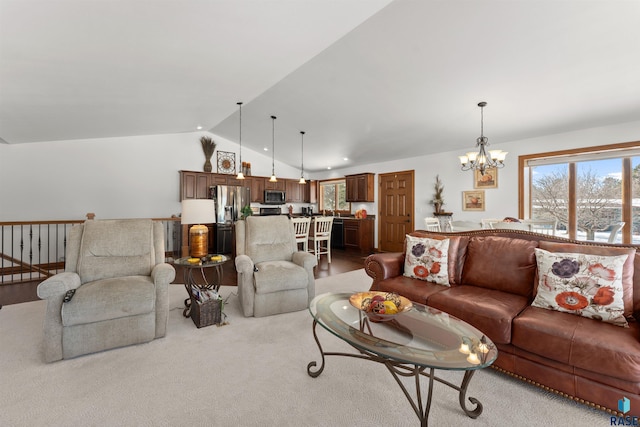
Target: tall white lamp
197	212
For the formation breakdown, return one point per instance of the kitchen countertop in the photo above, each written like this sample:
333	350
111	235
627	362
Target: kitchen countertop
369	217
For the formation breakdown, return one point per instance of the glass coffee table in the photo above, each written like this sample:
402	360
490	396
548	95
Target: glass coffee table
413	344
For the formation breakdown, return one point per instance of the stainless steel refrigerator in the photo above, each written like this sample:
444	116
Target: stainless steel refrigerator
229	201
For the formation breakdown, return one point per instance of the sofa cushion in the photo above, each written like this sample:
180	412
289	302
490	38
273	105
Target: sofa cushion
501	263
275	276
416	290
489	310
109	299
627	267
114	248
427	259
457	253
583	284
579	341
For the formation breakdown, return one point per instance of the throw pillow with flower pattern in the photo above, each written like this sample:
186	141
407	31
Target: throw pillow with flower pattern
426	259
587	285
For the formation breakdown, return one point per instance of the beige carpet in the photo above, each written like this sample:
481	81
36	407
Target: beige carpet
251	372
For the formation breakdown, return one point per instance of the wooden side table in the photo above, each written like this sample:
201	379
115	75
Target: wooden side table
445	220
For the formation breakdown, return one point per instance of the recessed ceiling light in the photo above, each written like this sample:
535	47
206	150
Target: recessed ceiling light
345	159
329	167
265	149
199	127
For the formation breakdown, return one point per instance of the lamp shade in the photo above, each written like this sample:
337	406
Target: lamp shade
198	211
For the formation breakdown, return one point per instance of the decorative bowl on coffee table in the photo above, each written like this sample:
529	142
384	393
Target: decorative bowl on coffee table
380	306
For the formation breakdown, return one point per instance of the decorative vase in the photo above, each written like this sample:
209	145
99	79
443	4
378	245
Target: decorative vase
437	207
208	146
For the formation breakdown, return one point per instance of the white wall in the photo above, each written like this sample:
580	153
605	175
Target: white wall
130	177
138	176
501	201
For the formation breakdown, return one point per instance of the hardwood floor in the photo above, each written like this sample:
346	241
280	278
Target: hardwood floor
341	262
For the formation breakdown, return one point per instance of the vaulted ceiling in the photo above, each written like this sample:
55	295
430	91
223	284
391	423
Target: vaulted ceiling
368	81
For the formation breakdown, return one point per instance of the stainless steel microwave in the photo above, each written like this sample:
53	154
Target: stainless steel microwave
274	197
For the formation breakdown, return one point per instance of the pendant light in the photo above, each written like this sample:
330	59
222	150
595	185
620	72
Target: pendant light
273	150
302	181
240	174
482	160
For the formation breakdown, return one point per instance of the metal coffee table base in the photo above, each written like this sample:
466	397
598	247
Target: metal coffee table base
397	370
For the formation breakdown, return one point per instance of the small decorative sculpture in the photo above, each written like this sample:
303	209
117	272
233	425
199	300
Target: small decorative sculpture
208	146
438	200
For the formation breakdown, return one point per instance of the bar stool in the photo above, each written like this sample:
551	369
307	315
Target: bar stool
301	229
321	233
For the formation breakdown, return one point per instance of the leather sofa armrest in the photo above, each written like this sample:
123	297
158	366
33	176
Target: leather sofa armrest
163	273
383	266
58	285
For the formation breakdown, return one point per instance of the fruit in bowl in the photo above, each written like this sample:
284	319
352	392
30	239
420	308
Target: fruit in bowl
380	306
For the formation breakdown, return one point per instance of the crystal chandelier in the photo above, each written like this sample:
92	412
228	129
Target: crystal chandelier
482	160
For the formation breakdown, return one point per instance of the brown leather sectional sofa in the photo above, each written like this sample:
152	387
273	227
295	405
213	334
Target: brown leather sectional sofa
492	275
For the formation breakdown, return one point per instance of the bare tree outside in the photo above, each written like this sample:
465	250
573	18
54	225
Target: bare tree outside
550	196
635	191
598	199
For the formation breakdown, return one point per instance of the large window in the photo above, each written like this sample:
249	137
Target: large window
333	196
584	191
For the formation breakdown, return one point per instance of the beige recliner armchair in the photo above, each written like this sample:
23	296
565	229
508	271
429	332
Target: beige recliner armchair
121	283
273	276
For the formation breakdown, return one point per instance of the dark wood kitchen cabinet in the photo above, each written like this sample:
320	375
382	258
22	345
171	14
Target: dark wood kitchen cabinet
360	187
278	185
257	189
231	180
218	179
310	192
294	192
194	185
358	235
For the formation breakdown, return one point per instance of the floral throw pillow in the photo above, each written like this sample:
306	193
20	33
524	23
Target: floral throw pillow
587	285
426	259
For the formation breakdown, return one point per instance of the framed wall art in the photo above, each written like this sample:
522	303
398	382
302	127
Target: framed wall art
473	200
488	180
226	162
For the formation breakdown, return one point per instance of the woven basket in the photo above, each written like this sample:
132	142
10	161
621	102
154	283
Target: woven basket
206	313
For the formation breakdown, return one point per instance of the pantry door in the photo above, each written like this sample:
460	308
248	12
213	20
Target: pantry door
396	207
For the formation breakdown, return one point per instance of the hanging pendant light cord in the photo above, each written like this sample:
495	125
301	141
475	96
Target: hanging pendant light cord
240	140
482	121
273	145
302	156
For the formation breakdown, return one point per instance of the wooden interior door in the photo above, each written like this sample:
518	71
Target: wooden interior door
396	207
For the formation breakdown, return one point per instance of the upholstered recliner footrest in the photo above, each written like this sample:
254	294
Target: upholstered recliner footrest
270	274
110	299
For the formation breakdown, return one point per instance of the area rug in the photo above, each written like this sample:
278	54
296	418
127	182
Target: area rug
250	372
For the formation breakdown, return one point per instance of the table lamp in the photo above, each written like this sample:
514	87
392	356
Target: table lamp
198	212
